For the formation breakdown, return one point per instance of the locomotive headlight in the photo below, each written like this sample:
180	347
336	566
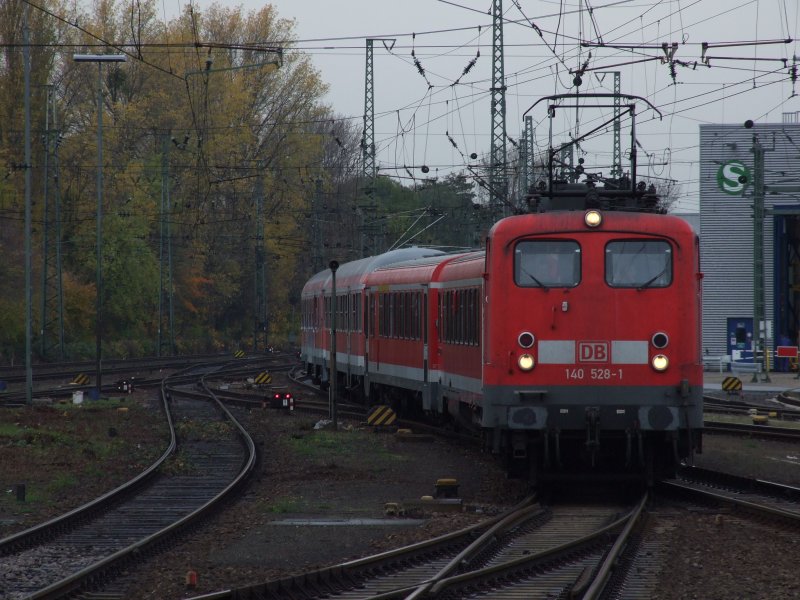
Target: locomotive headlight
660	362
526	362
592	218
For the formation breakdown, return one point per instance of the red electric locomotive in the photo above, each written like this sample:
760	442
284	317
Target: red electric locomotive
592	341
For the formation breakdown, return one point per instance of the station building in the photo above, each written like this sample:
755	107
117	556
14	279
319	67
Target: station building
727	235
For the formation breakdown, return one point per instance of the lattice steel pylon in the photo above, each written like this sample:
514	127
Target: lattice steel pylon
368	208
527	143
368	138
498	181
616	170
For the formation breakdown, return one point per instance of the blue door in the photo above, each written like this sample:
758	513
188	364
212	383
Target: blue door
740	337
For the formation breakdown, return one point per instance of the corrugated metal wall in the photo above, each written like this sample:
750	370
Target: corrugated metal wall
726	221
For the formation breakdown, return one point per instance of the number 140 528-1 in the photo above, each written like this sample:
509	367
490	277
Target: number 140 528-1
596	374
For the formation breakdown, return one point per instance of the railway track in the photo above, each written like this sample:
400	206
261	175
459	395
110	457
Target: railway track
559	551
148	373
530	552
208	456
756	496
451	584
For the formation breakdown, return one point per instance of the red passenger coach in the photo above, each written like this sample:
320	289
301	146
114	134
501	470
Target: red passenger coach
401	351
351	313
460	310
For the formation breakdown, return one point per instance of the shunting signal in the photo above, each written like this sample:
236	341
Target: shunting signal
283	401
381	416
263	378
80	379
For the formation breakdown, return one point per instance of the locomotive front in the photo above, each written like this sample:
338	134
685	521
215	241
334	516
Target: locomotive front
591	354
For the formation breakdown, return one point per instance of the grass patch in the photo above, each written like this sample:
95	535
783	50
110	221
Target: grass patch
62	481
66	454
281	505
11	430
342	447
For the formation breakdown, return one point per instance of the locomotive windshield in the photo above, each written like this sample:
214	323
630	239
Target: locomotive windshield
547	264
638	263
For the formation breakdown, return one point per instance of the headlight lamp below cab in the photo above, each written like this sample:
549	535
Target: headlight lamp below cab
660	362
526	362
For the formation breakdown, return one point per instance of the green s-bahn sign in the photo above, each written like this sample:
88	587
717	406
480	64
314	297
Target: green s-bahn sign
733	177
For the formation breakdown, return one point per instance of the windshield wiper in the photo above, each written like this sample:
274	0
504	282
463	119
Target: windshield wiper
536	281
650	281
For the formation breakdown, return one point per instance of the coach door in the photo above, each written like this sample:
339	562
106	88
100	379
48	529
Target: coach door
426	387
367	329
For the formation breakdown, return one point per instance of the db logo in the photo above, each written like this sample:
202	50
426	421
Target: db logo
593	352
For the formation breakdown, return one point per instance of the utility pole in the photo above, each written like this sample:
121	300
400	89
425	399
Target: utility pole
165	257
260	309
759	308
26	51
99	59
52	305
334	265
498	183
316	236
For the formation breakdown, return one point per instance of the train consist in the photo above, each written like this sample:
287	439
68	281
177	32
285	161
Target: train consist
572	342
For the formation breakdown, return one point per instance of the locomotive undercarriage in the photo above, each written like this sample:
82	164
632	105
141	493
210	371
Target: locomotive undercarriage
555	454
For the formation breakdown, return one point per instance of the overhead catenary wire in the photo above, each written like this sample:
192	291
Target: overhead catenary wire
435	106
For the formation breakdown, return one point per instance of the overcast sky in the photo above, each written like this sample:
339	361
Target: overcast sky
440	126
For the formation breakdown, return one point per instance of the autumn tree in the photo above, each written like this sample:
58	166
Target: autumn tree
211	145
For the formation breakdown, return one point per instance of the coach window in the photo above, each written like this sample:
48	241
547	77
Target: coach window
381	324
424	301
638	264
546	264
369	322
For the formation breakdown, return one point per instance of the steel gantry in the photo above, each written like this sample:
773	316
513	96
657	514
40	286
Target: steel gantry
368	224
368	137
498	182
